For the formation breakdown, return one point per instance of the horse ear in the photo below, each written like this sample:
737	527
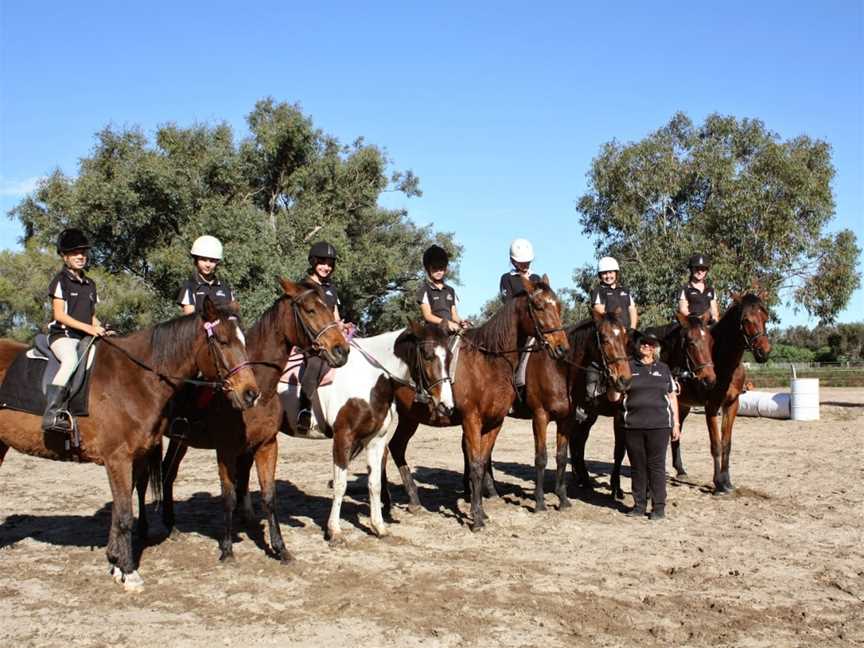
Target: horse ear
682	318
706	317
289	287
417	327
233	308
209	311
546	279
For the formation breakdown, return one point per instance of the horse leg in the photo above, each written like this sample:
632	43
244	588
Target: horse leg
119	549
228	480
489	489
342	443
265	465
397	446
562	441
142	480
618	454
170	465
539	422
472	444
386	499
3	450
729	414
677	461
244	497
712	418
374	458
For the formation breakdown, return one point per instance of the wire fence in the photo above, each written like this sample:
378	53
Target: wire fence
830	374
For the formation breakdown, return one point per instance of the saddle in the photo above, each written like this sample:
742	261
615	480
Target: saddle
31	372
293	373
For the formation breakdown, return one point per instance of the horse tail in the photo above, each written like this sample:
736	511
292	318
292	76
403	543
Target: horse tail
154	473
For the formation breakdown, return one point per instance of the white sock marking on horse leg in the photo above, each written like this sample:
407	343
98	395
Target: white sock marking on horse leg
374	455
340	485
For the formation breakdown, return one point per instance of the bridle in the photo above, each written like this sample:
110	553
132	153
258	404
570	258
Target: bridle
223	371
692	366
606	360
540	332
424	386
314	347
749	340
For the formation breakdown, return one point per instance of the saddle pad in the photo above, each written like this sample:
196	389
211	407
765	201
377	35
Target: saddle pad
294	370
25	381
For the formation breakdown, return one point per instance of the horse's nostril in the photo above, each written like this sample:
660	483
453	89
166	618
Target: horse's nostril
250	396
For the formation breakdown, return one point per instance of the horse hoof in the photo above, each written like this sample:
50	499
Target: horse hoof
381	532
414	509
130	581
337	541
227	557
285	557
564	504
680	472
539	506
477	527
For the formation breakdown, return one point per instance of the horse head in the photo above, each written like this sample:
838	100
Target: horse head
697	345
612	344
313	320
542	318
752	322
425	348
223	356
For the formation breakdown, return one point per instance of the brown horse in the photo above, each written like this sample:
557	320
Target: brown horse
741	328
133	379
483	386
553	389
298	318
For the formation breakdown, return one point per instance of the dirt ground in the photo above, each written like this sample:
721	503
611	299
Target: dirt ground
778	563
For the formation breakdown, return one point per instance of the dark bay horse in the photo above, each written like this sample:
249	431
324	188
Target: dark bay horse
741	328
483	386
133	379
553	388
300	318
686	346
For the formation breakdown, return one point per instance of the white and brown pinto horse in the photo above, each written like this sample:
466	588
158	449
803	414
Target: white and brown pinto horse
357	408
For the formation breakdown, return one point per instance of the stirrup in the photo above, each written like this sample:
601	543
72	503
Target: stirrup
63	422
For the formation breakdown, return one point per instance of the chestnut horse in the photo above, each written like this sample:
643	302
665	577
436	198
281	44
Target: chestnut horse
483	386
133	379
553	388
298	318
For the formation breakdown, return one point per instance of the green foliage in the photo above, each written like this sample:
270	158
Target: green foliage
730	188
572	311
268	198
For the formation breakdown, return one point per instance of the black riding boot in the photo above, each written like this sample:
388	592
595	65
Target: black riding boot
304	413
56	399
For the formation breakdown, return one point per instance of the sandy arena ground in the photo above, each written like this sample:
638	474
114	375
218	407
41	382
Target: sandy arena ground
778	563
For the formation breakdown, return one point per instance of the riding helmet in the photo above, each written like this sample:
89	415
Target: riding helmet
207	246
435	256
699	261
521	251
72	239
321	250
607	264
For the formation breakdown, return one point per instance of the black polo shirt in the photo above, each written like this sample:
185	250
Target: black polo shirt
329	290
645	404
511	284
195	289
440	300
698	301
612	298
79	302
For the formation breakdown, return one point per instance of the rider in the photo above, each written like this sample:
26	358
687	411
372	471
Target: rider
697	295
437	300
206	255
322	263
609	295
521	256
73	305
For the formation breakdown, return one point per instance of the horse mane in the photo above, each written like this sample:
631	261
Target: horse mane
498	333
175	338
268	321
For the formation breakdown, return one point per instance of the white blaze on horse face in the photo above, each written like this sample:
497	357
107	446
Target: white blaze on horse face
616	331
241	337
446	388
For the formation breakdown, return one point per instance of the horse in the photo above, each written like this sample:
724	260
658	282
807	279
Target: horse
133	378
742	328
483	387
704	352
357	407
299	317
553	389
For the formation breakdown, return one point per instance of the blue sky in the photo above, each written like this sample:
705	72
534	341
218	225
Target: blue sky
498	107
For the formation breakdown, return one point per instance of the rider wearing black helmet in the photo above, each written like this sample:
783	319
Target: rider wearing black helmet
322	263
436	299
73	305
697	295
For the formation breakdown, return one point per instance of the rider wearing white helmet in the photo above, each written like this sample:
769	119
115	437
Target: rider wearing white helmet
521	256
611	295
206	254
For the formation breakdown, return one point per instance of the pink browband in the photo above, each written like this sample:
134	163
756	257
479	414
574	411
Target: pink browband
209	326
